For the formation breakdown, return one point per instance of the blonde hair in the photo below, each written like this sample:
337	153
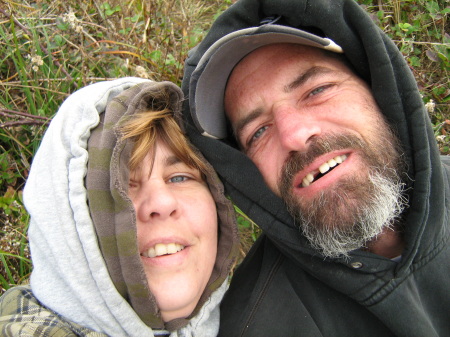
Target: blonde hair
145	128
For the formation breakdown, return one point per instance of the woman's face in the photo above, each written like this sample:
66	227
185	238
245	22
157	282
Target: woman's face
176	228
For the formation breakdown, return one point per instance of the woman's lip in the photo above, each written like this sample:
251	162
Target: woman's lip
167	261
165	241
161	249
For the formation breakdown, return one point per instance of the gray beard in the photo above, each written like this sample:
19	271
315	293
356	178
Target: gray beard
336	224
357	209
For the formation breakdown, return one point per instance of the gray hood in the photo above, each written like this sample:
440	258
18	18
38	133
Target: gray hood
73	273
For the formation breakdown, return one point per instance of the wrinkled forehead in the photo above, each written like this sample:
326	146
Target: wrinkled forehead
274	56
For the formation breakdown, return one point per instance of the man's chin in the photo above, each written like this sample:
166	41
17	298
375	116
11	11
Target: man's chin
348	216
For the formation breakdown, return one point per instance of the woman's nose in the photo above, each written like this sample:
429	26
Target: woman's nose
157	202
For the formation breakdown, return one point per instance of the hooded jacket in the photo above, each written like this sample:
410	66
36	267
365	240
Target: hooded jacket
87	277
286	288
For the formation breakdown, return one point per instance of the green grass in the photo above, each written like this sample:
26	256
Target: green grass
50	48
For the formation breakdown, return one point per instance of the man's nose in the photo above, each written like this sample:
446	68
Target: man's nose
158	202
295	127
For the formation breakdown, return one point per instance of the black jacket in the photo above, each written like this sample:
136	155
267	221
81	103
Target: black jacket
284	287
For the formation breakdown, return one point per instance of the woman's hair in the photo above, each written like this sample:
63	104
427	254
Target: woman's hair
158	123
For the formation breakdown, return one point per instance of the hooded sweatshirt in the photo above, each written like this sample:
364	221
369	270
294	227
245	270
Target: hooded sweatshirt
286	288
87	277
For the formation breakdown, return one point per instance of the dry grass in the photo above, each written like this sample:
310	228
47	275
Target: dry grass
50	48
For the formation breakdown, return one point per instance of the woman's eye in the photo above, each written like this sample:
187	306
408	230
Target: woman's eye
132	184
178	179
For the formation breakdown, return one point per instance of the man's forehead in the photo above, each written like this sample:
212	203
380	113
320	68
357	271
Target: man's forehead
208	81
282	52
276	59
273	59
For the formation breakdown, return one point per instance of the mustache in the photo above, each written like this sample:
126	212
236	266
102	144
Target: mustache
297	161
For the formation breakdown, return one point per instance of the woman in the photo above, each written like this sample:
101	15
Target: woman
130	234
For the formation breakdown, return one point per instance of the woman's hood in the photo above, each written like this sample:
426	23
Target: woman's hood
82	234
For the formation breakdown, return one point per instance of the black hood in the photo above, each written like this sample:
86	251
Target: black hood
378	61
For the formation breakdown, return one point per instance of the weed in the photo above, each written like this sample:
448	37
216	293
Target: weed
248	231
50	48
420	30
14	253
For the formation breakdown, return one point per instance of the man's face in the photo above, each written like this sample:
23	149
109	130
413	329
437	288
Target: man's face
313	129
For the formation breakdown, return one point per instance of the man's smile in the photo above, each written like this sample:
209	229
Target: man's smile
308	173
323	170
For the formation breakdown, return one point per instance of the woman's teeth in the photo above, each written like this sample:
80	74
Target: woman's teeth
324	168
163	249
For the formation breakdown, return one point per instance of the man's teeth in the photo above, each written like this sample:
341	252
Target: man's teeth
325	167
163	249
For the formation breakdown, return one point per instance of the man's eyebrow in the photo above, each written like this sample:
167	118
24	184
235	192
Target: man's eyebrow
305	76
313	72
243	122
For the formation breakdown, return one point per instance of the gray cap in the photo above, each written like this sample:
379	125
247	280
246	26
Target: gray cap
208	81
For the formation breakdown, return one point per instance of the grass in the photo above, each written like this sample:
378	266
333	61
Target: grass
50	48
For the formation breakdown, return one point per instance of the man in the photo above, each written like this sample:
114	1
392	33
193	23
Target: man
295	121
325	143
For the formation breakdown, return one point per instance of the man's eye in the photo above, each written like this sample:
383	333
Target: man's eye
178	179
319	90
258	133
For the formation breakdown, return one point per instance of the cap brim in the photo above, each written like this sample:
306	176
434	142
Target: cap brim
208	81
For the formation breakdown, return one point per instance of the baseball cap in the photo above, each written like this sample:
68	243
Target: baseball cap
209	79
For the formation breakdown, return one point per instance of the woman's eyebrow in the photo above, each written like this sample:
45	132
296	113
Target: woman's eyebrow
309	74
172	160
